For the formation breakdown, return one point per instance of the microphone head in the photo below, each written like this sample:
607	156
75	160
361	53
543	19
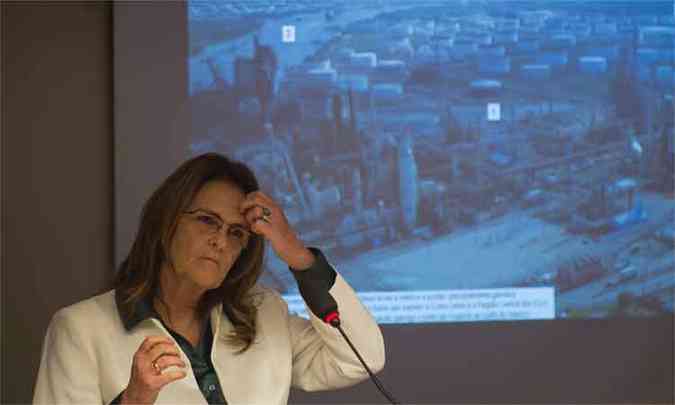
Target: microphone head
321	303
333	319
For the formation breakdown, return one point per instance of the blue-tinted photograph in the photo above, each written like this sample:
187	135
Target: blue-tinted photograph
455	160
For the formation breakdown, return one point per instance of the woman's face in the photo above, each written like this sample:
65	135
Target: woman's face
210	236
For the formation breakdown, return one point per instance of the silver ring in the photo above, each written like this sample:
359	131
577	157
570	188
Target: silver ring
266	212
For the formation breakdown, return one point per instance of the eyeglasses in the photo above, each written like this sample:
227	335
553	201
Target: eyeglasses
211	224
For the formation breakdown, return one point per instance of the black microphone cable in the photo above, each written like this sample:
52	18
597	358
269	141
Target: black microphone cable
314	290
333	319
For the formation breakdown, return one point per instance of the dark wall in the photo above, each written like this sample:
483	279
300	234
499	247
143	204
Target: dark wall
57	172
152	123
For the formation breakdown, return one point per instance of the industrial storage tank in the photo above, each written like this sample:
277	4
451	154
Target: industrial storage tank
401	49
425	54
313	81
665	76
343	55
464	48
626	31
320	78
646	56
510	24
592	64
559	41
476	37
363	59
603	28
608	51
491	50
529	33
528	45
581	30
485	87
358	83
387	93
556	59
319	65
506	37
646	20
558	22
657	36
401	30
536	17
667	20
535	71
447	29
391	71
494	65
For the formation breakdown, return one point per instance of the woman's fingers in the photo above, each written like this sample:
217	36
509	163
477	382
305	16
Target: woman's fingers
167	361
171	376
150	341
255	211
260	223
257	199
154	355
260	212
153	383
260	196
162	349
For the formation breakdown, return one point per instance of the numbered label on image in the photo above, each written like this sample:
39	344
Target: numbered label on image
494	112
288	33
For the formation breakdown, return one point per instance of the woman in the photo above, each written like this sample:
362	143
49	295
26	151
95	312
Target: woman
186	322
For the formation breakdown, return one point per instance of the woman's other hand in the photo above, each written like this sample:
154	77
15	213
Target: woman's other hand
155	354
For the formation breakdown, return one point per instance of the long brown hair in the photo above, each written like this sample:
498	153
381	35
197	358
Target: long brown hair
138	276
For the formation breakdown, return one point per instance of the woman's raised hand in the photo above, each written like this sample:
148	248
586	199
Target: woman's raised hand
267	218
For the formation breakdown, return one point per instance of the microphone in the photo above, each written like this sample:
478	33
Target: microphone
324	306
314	289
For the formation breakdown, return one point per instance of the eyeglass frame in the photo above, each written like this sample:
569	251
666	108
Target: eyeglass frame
221	224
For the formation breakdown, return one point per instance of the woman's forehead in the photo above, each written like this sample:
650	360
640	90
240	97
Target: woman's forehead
221	197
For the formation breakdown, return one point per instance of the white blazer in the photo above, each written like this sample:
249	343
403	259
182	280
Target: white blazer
87	353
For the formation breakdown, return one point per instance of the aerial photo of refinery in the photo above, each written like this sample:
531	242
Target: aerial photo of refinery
455	145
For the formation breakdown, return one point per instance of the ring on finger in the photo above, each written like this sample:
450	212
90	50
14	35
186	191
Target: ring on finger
155	366
266	212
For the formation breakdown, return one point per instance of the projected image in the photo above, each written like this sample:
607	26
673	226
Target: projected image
455	160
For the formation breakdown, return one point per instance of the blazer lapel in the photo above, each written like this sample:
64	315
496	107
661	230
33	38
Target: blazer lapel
223	355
